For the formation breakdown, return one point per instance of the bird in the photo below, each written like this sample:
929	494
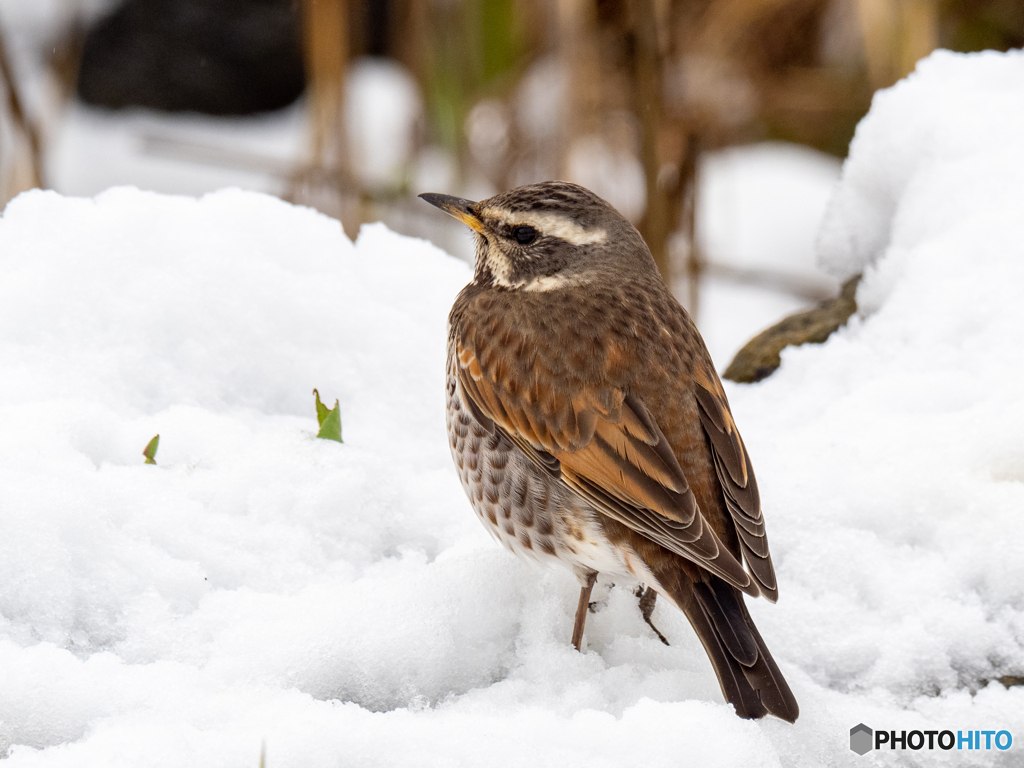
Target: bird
589	427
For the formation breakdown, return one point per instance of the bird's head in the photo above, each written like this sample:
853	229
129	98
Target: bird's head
548	236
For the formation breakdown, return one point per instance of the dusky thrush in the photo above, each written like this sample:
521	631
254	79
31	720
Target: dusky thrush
589	426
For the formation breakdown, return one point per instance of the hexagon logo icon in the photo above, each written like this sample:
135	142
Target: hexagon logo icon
860	739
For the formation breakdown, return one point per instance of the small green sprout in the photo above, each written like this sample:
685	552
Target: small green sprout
150	450
330	420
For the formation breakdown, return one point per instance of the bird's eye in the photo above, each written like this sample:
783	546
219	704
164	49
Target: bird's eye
524	235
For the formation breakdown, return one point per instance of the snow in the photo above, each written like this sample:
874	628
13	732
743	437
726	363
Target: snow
892	453
340	604
258	584
730	314
937	148
759	205
758	209
614	175
383	110
93	149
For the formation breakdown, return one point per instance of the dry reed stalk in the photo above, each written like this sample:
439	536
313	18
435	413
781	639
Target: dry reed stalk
25	175
325	38
897	33
580	58
919	32
326	183
723	27
659	219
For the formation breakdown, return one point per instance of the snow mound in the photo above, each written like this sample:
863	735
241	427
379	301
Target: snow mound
341	604
891	456
939	148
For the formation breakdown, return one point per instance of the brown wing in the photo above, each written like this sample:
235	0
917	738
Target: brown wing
608	449
736	475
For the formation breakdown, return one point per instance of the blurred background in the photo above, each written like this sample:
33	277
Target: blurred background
717	126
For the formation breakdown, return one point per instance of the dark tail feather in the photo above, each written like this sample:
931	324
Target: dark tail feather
751	680
735	688
767	678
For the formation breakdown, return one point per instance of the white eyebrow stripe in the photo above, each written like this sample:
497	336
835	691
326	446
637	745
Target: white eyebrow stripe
551	224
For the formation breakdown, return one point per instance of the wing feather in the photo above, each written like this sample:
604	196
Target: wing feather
607	448
739	486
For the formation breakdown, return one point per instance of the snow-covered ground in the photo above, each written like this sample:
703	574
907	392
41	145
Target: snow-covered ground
340	604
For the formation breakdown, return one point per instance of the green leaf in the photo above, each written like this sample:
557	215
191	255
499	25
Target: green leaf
150	450
329	419
321	409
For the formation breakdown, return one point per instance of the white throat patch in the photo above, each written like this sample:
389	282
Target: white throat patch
553	283
499	273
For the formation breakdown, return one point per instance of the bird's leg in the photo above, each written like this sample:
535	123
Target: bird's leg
586	587
647	598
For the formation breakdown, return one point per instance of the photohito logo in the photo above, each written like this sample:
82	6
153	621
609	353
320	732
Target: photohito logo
863	739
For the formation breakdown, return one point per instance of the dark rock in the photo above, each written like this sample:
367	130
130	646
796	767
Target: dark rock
760	357
221	57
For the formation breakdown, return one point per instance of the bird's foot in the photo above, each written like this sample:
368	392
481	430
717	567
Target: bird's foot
647	597
601	601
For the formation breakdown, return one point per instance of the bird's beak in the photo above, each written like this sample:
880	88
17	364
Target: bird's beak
457	207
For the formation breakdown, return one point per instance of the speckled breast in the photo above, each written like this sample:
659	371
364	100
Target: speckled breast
528	511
